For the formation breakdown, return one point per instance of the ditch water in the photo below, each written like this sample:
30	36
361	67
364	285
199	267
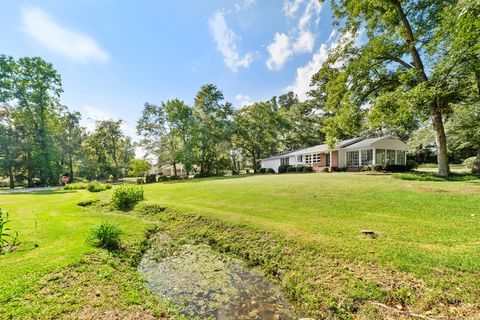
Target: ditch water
208	284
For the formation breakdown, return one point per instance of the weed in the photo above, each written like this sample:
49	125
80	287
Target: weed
106	235
8	237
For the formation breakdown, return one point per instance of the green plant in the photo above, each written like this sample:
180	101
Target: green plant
140	181
150	178
299	169
126	196
469	162
96	186
283	168
106	235
291	169
262	170
8	237
307	169
75	186
270	170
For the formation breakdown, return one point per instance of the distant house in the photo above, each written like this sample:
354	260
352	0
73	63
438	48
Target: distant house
351	153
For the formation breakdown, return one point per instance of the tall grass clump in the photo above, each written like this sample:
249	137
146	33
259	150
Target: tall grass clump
96	186
126	196
76	186
106	235
8	237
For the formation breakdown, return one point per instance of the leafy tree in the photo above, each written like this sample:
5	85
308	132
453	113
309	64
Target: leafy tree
213	117
257	129
139	167
402	69
464	131
71	136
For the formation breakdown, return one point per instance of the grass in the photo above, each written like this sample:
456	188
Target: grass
427	233
53	271
302	230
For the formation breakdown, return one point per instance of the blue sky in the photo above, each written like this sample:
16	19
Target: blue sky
115	55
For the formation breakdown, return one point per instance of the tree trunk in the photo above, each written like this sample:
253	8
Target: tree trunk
70	160
174	169
11	178
441	142
476	163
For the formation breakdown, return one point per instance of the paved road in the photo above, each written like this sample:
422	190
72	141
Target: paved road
20	190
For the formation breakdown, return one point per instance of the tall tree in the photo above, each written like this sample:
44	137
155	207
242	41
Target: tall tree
71	136
394	72
213	116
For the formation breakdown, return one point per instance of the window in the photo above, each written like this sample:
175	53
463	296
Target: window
316	157
299	158
308	158
380	156
390	157
367	157
284	161
352	158
401	157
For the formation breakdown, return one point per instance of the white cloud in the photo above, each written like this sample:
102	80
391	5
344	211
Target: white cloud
243	100
305	42
290	7
279	50
74	45
245	4
226	40
301	85
300	39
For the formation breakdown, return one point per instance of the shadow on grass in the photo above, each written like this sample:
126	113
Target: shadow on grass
431	176
40	192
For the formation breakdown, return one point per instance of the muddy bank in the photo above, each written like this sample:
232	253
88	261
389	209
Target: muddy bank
206	283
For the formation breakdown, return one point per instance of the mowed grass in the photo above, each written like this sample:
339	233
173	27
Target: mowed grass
53	232
421	226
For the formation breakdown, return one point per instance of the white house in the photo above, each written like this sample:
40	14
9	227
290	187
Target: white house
351	153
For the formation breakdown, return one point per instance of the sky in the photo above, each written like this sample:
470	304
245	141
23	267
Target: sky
115	55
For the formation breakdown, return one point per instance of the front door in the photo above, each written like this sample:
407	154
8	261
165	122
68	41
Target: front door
328	159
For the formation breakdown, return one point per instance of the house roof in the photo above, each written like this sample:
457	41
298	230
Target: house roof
347	144
368	142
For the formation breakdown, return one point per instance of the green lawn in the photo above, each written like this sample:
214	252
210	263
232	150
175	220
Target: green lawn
422	225
426	255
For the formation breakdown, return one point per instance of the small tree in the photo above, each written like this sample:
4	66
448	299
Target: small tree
139	167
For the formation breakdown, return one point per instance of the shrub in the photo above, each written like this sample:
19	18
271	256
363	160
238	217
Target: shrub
150	178
270	170
377	167
470	162
75	186
106	235
412	164
325	170
367	168
96	186
8	237
397	168
283	168
126	196
262	170
291	169
140	181
162	178
307	169
299	169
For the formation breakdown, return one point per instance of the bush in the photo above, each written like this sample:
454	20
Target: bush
75	186
291	169
140	181
397	168
106	235
430	176
96	186
470	162
150	178
299	169
325	170
270	170
377	167
162	178
283	168
262	170
412	164
307	169
126	196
